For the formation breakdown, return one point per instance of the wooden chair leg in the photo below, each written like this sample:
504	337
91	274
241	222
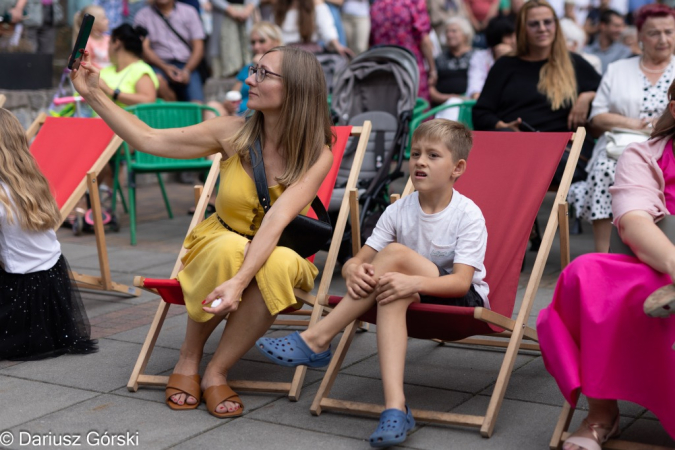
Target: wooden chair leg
333	368
148	346
166	197
562	426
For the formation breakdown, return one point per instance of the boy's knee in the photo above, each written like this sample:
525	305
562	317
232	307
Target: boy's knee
391	257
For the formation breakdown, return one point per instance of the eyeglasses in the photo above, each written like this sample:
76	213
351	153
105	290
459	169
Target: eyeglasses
261	73
536	24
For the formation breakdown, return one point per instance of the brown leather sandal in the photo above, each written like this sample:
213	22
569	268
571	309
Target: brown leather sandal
215	395
183	384
596	442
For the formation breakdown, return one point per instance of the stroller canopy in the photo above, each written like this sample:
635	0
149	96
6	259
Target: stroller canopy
384	78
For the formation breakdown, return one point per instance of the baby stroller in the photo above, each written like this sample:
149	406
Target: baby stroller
379	85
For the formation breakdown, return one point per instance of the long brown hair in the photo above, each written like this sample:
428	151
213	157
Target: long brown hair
306	17
29	194
304	116
665	126
557	80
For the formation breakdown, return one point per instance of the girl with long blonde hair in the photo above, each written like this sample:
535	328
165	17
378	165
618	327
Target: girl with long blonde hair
233	264
41	314
542	87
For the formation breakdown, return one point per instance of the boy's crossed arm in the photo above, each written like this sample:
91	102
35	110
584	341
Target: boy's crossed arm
394	286
361	281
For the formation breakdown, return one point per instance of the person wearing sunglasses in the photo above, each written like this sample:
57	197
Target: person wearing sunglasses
542	84
233	264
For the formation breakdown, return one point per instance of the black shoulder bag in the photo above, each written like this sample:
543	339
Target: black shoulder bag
304	235
203	68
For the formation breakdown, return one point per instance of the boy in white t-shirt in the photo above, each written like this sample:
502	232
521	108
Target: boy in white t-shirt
428	247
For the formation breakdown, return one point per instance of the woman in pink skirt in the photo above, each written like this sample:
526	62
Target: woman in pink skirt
595	336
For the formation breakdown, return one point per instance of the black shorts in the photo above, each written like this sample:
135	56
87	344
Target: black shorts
471	299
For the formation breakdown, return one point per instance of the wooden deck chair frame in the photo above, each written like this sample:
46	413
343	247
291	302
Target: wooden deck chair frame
89	183
560	434
202	194
517	330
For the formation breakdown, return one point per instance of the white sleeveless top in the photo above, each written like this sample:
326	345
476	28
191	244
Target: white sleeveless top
24	251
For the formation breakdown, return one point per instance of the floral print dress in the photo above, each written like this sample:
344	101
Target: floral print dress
403	23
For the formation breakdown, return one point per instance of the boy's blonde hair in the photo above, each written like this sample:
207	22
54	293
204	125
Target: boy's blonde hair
29	189
455	136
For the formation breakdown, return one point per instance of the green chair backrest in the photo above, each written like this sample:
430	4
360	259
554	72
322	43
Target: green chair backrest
168	115
465	109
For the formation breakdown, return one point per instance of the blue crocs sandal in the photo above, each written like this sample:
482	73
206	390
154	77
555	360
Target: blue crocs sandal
393	428
292	351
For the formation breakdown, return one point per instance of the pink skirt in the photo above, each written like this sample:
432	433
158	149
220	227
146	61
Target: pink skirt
594	335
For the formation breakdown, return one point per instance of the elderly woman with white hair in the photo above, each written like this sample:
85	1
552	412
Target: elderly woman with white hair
575	37
453	64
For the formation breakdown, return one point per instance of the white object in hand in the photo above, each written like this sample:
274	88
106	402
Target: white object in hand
216	303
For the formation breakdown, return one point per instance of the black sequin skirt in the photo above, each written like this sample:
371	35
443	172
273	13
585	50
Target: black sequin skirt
42	316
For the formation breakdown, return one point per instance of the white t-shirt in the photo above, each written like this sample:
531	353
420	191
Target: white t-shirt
24	251
455	235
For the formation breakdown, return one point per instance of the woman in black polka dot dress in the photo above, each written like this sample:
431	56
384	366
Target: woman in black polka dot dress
632	94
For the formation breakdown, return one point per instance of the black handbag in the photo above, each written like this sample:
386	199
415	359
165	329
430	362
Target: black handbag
304	235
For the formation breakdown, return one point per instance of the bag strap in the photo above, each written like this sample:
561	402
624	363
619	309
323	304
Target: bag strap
260	179
166	21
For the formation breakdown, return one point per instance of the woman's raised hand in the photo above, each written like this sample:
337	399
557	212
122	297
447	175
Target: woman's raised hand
223	300
86	77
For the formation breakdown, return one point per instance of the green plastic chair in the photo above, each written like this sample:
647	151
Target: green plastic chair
421	105
464	117
160	115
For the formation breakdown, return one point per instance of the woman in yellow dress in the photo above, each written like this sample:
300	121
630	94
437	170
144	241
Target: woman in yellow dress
233	255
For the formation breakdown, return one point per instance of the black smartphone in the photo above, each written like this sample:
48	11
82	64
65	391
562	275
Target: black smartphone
81	42
524	126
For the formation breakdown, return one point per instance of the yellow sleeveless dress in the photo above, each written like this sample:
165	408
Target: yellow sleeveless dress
215	253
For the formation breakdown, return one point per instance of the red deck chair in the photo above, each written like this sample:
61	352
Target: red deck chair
71	152
171	293
508	176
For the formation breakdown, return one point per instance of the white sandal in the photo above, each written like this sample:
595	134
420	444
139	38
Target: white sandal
596	442
661	302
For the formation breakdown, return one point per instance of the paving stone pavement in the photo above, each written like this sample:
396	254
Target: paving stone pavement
46	402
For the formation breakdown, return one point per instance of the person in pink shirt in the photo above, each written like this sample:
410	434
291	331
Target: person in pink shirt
99	37
598	336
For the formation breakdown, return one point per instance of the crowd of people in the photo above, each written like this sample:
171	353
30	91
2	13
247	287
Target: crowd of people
532	66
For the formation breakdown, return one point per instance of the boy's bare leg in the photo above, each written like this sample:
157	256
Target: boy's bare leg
393	258
392	345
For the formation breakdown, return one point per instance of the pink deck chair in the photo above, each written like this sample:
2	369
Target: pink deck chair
171	292
71	152
508	176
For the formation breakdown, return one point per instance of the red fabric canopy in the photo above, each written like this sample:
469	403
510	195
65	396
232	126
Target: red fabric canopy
66	149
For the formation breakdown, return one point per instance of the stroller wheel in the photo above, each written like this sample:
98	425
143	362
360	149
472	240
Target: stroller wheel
89	217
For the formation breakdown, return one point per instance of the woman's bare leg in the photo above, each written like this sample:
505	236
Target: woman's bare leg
600	411
244	326
196	335
602	230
